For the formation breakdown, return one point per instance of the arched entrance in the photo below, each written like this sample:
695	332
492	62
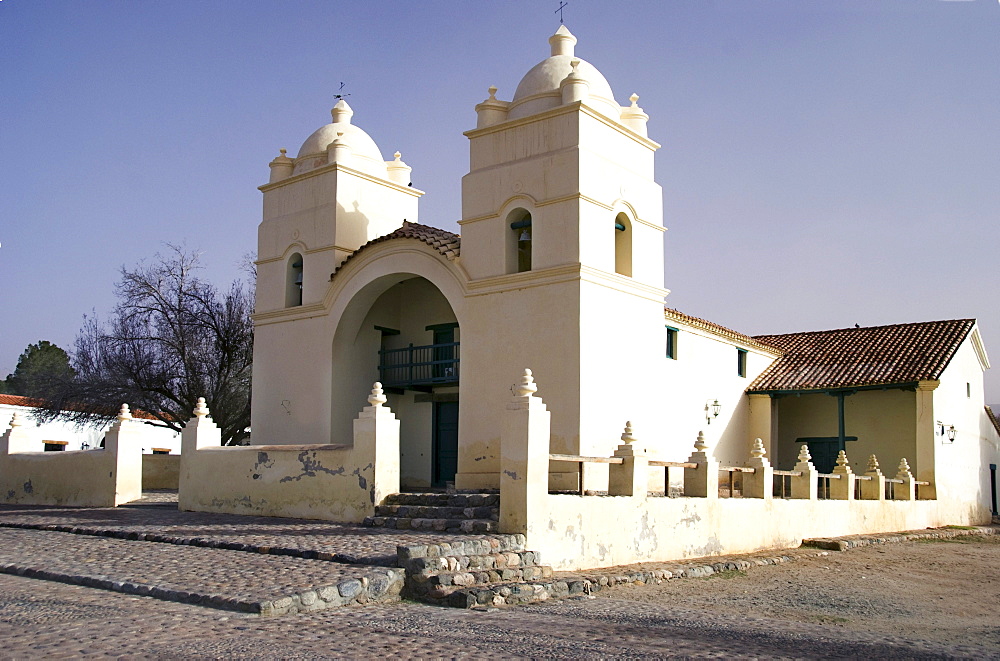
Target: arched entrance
401	330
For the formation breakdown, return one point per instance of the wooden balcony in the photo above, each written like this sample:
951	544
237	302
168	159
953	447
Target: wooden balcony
419	368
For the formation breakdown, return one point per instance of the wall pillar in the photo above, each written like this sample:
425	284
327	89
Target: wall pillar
200	432
376	443
925	441
908	489
631	477
804	486
16	438
842	489
701	482
524	461
123	442
873	489
759	483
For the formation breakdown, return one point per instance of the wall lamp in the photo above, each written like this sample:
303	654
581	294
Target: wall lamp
712	408
951	433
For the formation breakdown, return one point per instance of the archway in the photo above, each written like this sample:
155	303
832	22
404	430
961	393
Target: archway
401	330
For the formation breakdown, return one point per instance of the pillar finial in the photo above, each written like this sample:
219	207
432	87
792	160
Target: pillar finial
124	413
200	410
377	398
527	387
627	435
904	467
699	444
842	458
804	455
758	450
872	464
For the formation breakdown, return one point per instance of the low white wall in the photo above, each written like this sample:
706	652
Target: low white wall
330	482
84	478
299	481
579	532
161	471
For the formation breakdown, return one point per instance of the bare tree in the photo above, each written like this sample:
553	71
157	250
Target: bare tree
171	339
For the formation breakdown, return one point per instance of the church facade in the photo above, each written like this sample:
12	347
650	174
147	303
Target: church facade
559	268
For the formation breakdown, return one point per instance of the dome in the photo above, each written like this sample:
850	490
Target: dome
539	89
312	154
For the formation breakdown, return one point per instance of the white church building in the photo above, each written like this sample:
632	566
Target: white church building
559	269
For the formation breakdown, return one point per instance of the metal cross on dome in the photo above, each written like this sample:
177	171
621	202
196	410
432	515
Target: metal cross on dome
562	5
340	93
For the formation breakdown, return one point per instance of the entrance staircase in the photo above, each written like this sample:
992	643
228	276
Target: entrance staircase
443	512
467	572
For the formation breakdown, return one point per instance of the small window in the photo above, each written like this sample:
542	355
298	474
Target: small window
161	450
671	343
741	362
968	390
55	446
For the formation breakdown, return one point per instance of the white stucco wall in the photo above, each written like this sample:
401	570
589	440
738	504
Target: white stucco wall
37	433
962	466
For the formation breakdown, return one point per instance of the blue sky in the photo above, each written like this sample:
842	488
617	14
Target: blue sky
824	162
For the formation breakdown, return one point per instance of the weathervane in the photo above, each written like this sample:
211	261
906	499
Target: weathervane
340	93
562	5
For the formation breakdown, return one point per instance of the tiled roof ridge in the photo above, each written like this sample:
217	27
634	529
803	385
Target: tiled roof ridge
861	328
35	403
993	418
447	243
718	329
889	355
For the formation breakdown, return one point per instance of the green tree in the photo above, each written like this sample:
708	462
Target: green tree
171	339
41	368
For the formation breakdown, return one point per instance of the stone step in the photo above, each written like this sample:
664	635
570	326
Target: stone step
427	566
444	499
424	584
438	512
438	525
506	594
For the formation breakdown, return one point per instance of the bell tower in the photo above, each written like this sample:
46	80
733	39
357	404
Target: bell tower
321	206
562	238
564	174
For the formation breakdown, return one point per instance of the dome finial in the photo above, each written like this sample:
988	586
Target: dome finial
342	113
562	42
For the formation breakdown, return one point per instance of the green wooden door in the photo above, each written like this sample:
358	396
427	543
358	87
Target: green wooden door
445	442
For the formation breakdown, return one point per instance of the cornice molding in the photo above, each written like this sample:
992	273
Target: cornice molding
340	167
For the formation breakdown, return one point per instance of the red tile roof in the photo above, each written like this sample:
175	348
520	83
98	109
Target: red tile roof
30	402
446	243
853	357
676	315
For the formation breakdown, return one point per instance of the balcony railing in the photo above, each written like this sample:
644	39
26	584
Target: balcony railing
419	367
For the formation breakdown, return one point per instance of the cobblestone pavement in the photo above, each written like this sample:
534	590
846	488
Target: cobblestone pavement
191	573
52	619
341	542
39	618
